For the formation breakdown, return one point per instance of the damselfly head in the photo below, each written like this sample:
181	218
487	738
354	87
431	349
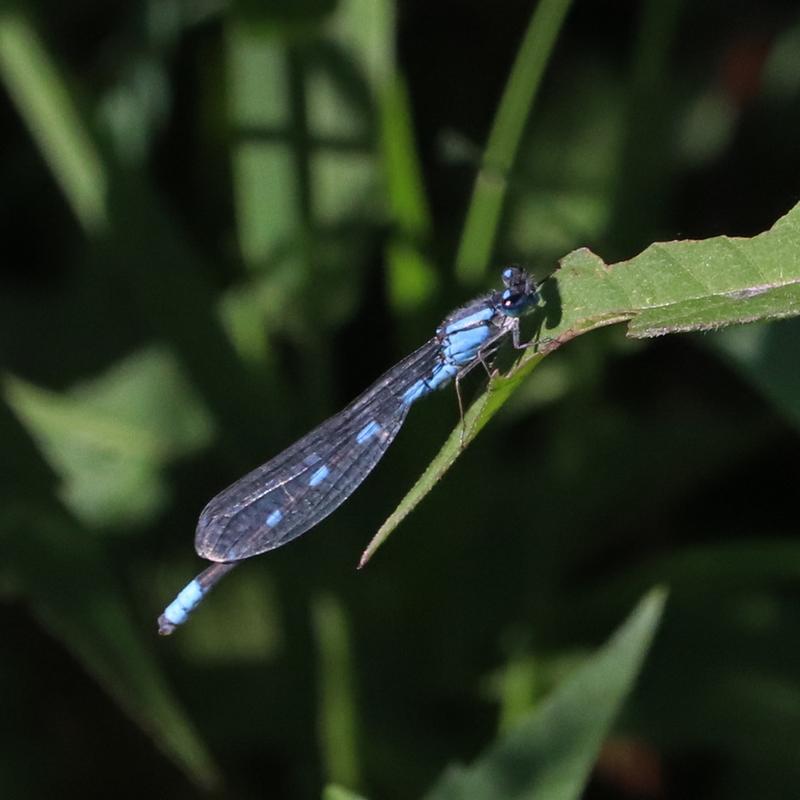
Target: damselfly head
520	293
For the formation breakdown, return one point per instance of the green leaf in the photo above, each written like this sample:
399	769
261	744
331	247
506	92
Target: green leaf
671	287
412	278
334	792
478	414
337	715
491	186
766	355
675	287
108	438
62	571
265	179
720	568
550	753
42	99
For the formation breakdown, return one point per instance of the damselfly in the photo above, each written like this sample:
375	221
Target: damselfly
291	493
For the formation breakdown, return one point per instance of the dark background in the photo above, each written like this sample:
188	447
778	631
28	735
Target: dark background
150	361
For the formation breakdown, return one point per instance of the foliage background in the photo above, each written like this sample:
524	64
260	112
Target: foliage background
266	211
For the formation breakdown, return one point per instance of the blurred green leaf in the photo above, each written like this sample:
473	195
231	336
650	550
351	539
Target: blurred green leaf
669	288
412	278
550	753
255	187
166	284
567	170
517	688
265	180
731	602
242	625
43	100
108	438
642	179
782	69
488	196
304	161
337	717
721	567
340	793
62	572
366	31
133	111
707	128
766	355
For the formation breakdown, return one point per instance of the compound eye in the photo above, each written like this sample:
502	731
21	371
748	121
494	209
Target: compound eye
510	299
510	275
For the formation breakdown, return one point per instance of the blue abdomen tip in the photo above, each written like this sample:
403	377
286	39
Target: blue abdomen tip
180	608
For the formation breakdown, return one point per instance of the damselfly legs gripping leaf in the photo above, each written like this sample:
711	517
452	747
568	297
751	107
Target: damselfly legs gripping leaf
291	493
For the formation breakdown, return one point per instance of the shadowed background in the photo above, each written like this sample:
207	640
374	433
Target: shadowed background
221	221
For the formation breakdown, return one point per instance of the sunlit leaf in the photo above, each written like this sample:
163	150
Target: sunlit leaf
671	287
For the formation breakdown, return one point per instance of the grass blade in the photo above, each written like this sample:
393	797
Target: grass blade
42	100
551	751
337	720
489	192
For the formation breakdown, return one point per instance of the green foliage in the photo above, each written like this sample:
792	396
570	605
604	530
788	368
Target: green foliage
221	221
43	101
337	703
671	287
550	752
110	437
333	792
483	217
